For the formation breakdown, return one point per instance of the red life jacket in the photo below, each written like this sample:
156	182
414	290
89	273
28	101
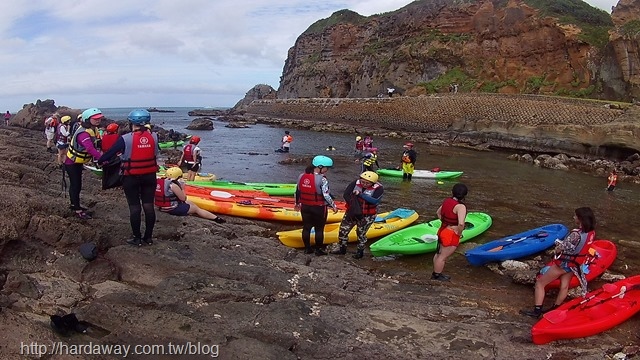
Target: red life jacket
108	140
164	198
367	207
449	218
581	254
359	145
188	153
140	151
61	139
309	192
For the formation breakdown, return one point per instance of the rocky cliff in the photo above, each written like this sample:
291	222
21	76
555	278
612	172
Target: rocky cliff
563	47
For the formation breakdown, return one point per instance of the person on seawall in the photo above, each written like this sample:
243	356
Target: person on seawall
359	148
62	139
408	161
50	126
369	159
362	196
191	159
452	213
312	198
572	255
170	198
286	142
612	180
7	117
139	149
82	149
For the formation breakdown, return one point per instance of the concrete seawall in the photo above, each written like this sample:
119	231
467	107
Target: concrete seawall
524	122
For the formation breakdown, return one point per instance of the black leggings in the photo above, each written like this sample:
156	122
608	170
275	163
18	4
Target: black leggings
74	171
313	217
137	189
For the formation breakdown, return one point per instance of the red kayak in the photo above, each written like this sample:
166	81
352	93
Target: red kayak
598	311
607	253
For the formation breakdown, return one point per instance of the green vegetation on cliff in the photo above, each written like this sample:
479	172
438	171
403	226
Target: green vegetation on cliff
344	16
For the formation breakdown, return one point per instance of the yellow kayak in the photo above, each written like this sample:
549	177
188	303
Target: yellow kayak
256	211
385	224
199	176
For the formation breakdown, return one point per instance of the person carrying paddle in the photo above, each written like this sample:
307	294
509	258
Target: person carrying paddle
362	196
453	214
408	161
170	198
572	254
312	198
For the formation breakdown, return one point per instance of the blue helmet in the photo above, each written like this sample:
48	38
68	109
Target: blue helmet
89	113
322	161
139	117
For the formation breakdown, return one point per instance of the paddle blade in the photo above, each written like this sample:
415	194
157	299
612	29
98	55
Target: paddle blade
555	316
221	194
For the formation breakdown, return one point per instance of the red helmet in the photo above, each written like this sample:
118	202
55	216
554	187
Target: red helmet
112	128
409	144
195	140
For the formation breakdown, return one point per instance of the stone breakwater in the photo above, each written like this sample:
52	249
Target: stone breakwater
516	122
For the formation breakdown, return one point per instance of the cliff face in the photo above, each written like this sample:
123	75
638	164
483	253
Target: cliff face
486	45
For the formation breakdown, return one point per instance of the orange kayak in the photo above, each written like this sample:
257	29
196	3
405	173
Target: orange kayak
281	212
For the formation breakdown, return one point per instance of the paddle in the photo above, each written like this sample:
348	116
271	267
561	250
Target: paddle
227	195
557	316
426	239
514	241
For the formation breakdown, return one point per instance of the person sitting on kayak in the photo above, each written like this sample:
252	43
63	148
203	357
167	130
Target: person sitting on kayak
369	159
362	196
190	159
170	198
572	254
408	161
453	214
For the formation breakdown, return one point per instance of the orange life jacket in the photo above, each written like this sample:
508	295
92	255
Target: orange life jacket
140	151
613	179
310	192
289	138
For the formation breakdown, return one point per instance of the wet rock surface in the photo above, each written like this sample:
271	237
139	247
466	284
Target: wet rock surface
231	285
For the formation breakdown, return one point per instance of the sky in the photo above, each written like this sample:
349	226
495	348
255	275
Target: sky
155	53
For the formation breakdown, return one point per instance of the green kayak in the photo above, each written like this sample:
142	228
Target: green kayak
170	144
422	238
271	189
422	174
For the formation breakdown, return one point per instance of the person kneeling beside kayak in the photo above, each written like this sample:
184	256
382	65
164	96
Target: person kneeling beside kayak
170	198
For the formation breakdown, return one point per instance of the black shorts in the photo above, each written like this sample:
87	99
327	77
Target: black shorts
63	146
195	167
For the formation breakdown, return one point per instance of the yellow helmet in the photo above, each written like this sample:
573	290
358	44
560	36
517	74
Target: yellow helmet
173	173
65	119
358	138
369	176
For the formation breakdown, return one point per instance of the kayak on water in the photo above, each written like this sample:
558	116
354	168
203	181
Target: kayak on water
422	174
599	310
170	144
423	238
385	223
516	246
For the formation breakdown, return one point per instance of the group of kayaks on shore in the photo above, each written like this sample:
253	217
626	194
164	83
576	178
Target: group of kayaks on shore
580	257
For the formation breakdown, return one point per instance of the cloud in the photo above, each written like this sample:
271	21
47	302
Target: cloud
155	52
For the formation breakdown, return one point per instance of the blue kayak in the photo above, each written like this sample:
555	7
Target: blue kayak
518	245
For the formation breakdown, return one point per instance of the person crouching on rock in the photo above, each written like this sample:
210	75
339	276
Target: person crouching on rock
571	254
362	196
82	149
170	198
191	158
139	150
312	198
453	214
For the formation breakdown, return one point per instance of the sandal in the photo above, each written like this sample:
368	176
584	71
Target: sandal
83	215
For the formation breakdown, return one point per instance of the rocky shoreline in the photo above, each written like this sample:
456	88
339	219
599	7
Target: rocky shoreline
231	285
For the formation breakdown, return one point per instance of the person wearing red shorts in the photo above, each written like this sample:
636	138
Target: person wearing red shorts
452	213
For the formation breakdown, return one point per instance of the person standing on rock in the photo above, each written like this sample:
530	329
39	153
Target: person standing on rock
50	125
139	149
82	149
7	117
452	213
612	180
362	196
571	255
191	159
408	161
62	139
312	198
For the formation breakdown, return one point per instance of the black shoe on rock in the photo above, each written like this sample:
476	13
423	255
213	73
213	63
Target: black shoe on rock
342	250
320	252
148	241
358	255
308	250
535	313
440	277
135	241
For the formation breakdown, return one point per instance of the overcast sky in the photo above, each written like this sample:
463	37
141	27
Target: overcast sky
162	53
